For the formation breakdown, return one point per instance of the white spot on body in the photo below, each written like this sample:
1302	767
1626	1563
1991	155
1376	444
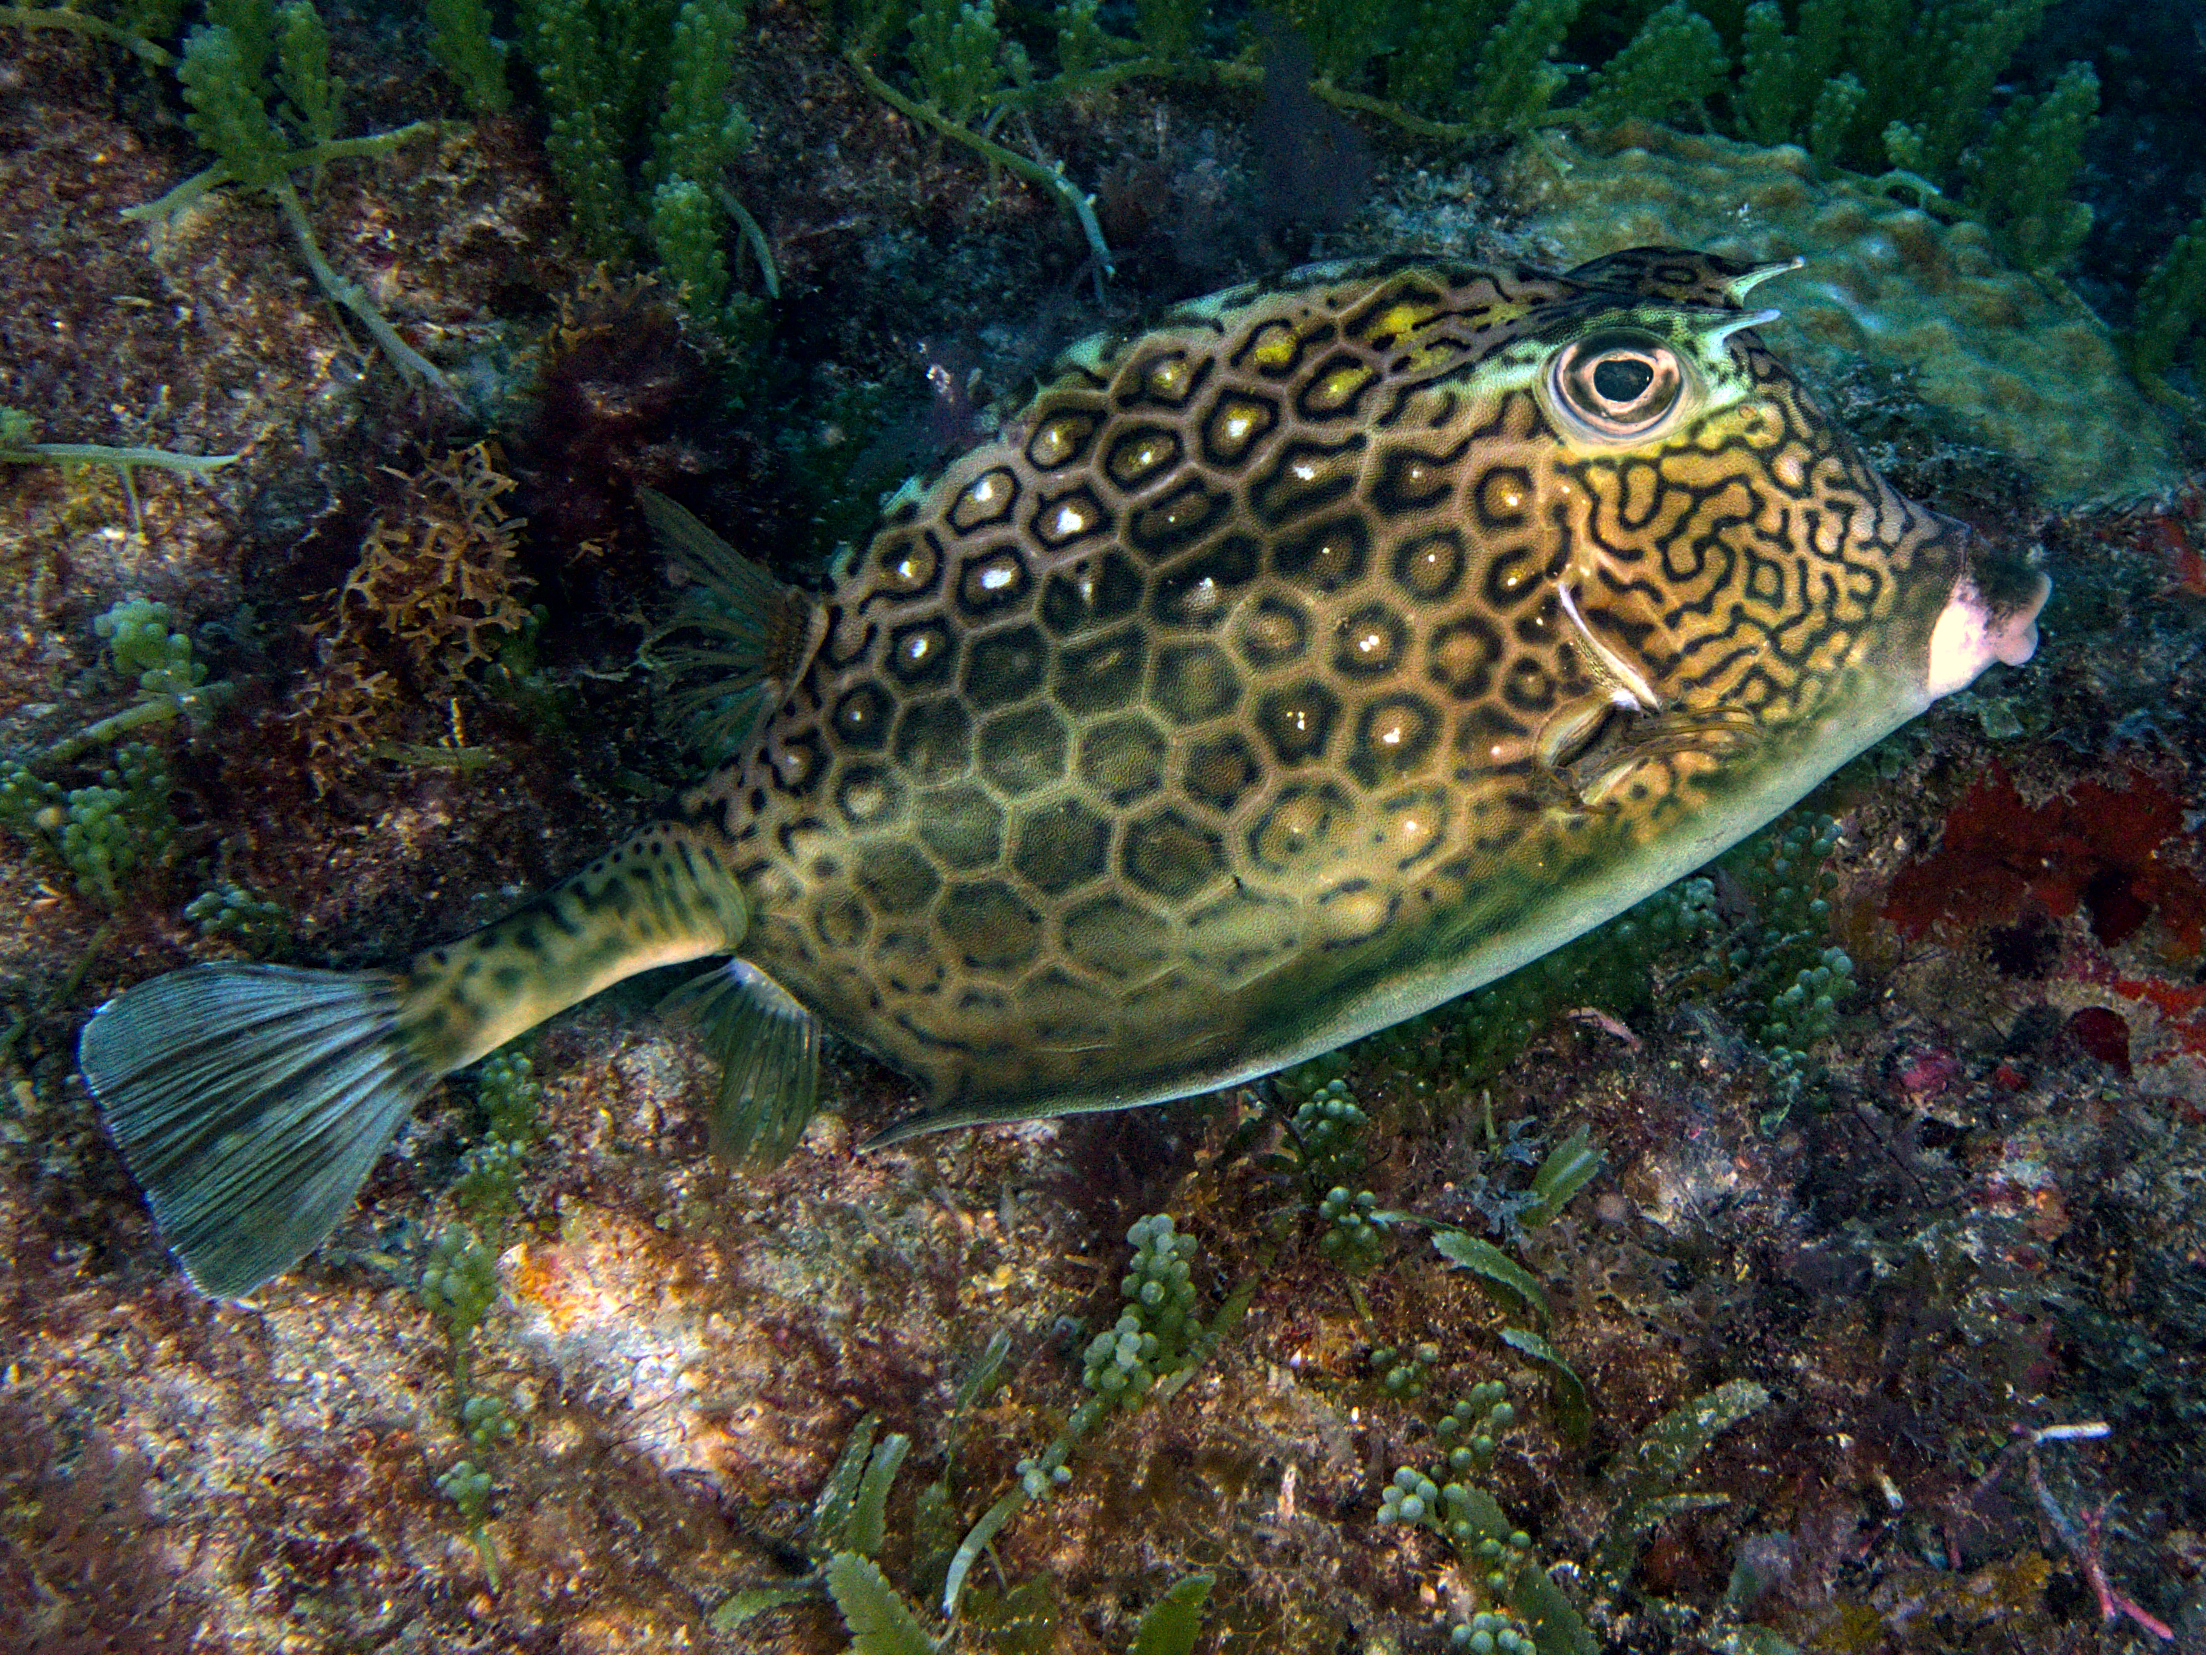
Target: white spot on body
1201	600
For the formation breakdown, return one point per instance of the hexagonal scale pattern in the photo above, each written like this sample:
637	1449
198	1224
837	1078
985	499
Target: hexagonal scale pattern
1234	647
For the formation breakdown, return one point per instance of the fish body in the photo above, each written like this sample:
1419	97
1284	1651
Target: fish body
1310	660
1328	650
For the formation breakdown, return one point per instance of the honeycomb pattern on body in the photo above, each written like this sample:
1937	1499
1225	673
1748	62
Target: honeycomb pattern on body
1274	654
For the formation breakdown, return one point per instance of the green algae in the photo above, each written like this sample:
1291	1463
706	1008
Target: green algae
642	132
1676	60
1518	1609
240	914
123	826
461	44
2171	303
1645	1480
19	446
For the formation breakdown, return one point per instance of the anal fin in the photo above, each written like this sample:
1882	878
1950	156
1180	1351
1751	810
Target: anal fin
768	1048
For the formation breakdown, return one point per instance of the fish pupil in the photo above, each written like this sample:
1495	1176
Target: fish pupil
1622	379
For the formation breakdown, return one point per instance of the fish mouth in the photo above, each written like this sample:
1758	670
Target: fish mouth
1990	616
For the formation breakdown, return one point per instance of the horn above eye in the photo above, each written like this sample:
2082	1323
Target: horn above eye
1616	387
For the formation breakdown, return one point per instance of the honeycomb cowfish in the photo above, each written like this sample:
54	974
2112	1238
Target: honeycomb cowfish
1332	648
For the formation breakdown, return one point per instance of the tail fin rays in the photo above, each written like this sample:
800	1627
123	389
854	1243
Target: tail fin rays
250	1101
768	1047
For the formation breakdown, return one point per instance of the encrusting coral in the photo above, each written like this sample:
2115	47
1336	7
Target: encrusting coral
2005	359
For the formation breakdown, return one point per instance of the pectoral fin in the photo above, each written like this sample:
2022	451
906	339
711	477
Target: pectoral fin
741	639
1592	748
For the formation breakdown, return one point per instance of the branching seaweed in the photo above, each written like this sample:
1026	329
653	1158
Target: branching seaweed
461	43
19	447
225	73
2019	177
1645	1480
225	69
643	131
2170	305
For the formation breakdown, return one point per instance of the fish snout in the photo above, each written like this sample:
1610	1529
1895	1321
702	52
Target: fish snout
1991	616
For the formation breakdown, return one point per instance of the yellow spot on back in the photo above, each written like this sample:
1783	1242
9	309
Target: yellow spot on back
1274	346
1339	387
1055	442
1401	317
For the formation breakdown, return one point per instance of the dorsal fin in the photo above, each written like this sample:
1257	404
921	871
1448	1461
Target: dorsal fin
757	635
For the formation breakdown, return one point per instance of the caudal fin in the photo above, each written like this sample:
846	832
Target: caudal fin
249	1101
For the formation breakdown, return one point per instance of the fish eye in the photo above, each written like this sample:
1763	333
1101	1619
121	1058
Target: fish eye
1616	387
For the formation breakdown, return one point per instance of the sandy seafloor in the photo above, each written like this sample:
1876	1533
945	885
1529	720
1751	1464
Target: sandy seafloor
1985	1219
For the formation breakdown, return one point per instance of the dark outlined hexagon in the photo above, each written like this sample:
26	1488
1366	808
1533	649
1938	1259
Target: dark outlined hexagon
962	825
1024	749
991	927
1060	846
1296	720
934	740
1006	666
1098	674
1123	758
1189	683
896	878
1117	939
1171	857
1220	772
